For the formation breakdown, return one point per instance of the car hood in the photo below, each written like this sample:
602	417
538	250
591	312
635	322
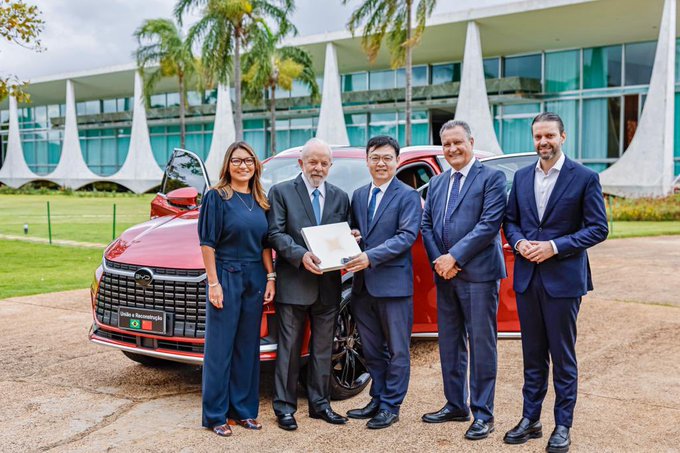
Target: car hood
170	242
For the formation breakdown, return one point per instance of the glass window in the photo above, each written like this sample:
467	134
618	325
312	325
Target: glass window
562	71
516	136
124	104
602	67
601	125
419	78
211	97
299	89
639	62
92	107
383	117
492	68
53	111
381	80
41	116
517	109
4	116
194	98
173	99
356	118
355	82
445	73
527	66
109	105
568	111
157	101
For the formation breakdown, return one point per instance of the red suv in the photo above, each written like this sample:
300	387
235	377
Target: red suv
148	295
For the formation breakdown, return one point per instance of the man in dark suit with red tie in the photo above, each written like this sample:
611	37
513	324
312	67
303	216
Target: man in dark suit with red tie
555	213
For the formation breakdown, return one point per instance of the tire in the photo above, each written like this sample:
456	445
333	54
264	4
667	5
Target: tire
349	373
148	361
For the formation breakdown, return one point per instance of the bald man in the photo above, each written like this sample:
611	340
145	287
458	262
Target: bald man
302	290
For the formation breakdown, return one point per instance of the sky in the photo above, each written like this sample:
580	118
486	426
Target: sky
90	34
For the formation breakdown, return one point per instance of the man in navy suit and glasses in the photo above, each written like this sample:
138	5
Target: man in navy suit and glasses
461	231
385	216
555	213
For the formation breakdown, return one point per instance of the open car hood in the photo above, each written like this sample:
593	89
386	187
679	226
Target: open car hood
170	242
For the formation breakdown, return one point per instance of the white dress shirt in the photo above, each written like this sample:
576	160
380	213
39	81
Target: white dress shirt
311	188
463	177
379	195
544	183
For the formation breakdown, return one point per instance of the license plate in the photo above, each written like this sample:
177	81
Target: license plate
143	320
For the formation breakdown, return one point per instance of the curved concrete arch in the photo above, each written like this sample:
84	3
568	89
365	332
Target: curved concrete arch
72	171
223	135
139	172
15	172
646	168
331	127
473	102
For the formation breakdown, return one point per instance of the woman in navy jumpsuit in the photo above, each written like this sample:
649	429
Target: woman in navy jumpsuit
232	230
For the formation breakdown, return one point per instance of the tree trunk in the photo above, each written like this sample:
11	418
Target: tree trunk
272	112
238	108
409	75
182	113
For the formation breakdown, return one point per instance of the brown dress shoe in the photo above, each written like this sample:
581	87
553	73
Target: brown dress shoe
222	430
248	423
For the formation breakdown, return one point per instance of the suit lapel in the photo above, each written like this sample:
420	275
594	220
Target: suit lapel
469	180
440	201
301	189
563	180
327	207
386	199
532	191
362	209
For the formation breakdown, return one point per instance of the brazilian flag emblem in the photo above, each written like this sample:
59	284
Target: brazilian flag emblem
135	324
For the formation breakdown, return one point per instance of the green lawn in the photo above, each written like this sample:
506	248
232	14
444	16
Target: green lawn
623	229
74	217
28	268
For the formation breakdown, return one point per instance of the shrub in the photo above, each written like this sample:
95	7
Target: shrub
646	209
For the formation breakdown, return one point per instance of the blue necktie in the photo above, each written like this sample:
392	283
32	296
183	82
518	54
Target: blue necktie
453	197
316	205
371	204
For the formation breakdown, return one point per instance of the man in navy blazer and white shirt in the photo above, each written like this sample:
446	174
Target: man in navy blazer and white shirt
555	212
385	216
461	231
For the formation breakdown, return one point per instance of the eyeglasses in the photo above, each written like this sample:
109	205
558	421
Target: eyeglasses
236	162
386	158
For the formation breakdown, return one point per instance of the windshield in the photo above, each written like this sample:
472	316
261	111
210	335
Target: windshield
346	173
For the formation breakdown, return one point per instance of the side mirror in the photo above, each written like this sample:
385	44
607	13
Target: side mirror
185	196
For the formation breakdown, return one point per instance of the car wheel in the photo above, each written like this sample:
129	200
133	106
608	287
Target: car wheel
152	362
349	373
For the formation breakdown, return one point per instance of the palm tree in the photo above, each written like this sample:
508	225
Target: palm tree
394	19
267	68
226	28
163	52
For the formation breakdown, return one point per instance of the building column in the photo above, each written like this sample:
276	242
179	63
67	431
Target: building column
139	172
646	168
15	172
72	171
473	102
223	135
331	127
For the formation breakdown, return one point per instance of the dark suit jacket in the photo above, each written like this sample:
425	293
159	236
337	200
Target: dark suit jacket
291	210
387	240
475	225
575	218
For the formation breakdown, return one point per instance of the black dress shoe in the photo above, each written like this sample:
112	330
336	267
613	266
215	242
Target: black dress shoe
328	416
479	429
368	411
446	415
523	431
287	422
559	440
383	419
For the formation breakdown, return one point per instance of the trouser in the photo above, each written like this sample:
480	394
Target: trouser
385	325
231	363
548	327
292	321
466	317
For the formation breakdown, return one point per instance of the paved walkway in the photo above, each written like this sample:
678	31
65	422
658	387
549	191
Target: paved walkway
92	245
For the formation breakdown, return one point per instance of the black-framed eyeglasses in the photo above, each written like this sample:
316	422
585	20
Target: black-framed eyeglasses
236	161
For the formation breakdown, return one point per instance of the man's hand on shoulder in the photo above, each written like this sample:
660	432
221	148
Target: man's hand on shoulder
310	261
445	266
358	263
539	251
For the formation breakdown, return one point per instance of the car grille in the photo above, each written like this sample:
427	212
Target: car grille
185	300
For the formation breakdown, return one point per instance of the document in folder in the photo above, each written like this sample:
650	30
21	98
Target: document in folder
331	243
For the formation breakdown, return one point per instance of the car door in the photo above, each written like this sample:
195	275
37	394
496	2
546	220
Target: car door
184	182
